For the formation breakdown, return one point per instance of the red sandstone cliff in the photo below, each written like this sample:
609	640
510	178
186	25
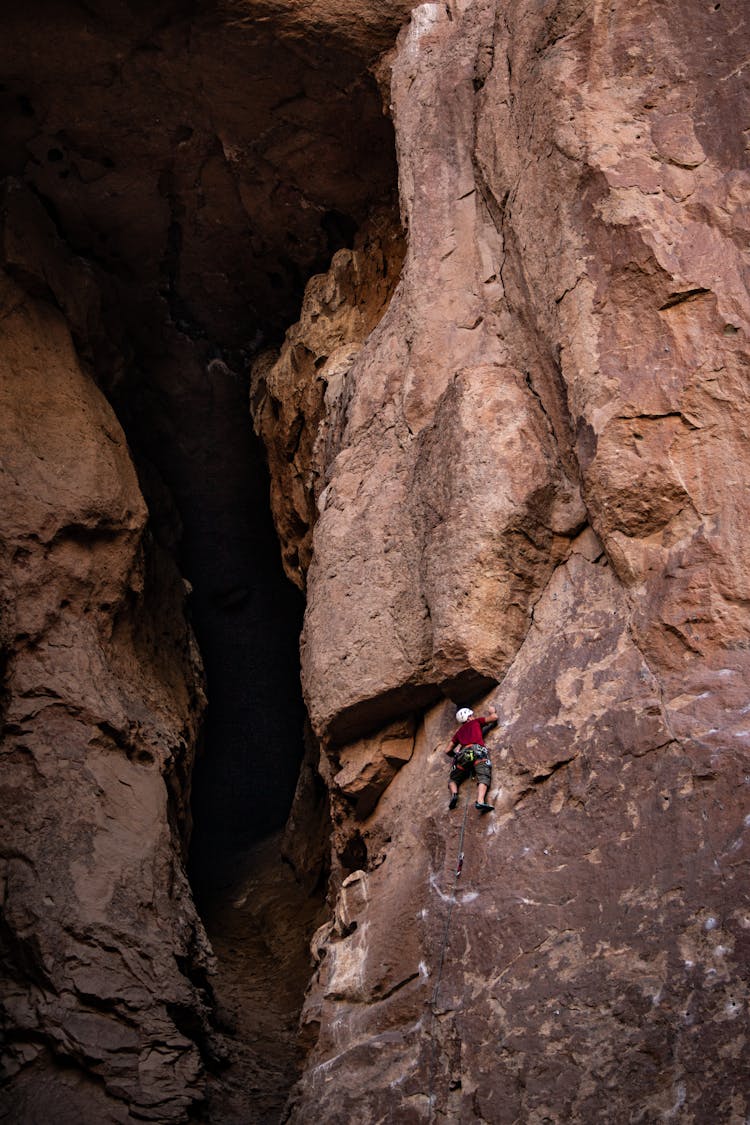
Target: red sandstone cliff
534	474
508	464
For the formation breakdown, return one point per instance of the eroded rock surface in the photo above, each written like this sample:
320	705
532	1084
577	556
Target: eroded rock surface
103	693
508	453
299	395
533	476
171	175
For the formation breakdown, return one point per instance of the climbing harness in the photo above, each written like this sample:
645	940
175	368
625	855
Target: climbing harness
441	961
469	755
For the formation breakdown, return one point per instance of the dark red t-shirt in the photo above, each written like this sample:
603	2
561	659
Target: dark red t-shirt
470	732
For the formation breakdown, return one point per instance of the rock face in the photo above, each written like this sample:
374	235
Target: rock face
508	453
531	475
300	394
103	693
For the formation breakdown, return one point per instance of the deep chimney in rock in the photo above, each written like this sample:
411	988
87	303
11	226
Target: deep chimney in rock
504	426
172	176
200	169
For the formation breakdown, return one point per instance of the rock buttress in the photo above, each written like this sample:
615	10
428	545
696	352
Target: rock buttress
533	477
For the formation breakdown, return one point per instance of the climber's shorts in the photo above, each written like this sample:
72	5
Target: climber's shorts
481	768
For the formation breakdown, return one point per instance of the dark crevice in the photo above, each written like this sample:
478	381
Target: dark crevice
340	230
680	298
354	855
540	778
545	775
175	252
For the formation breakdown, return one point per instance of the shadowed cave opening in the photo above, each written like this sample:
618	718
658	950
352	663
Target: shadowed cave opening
193	166
203	161
246	616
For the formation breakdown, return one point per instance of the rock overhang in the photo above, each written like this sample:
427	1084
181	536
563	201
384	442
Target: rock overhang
208	159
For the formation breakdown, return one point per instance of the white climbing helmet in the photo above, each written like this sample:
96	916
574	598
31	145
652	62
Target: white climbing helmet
464	714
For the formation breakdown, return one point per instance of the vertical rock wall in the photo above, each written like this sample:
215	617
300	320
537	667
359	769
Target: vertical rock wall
104	958
508	456
533	477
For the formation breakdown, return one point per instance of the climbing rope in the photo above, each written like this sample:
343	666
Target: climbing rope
441	961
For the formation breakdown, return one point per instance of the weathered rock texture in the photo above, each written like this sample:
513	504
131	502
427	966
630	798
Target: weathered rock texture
103	954
171	175
532	474
202	162
508	449
299	397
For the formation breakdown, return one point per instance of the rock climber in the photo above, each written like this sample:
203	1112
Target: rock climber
470	756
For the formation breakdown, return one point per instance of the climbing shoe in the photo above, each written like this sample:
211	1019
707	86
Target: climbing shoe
453	801
483	807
